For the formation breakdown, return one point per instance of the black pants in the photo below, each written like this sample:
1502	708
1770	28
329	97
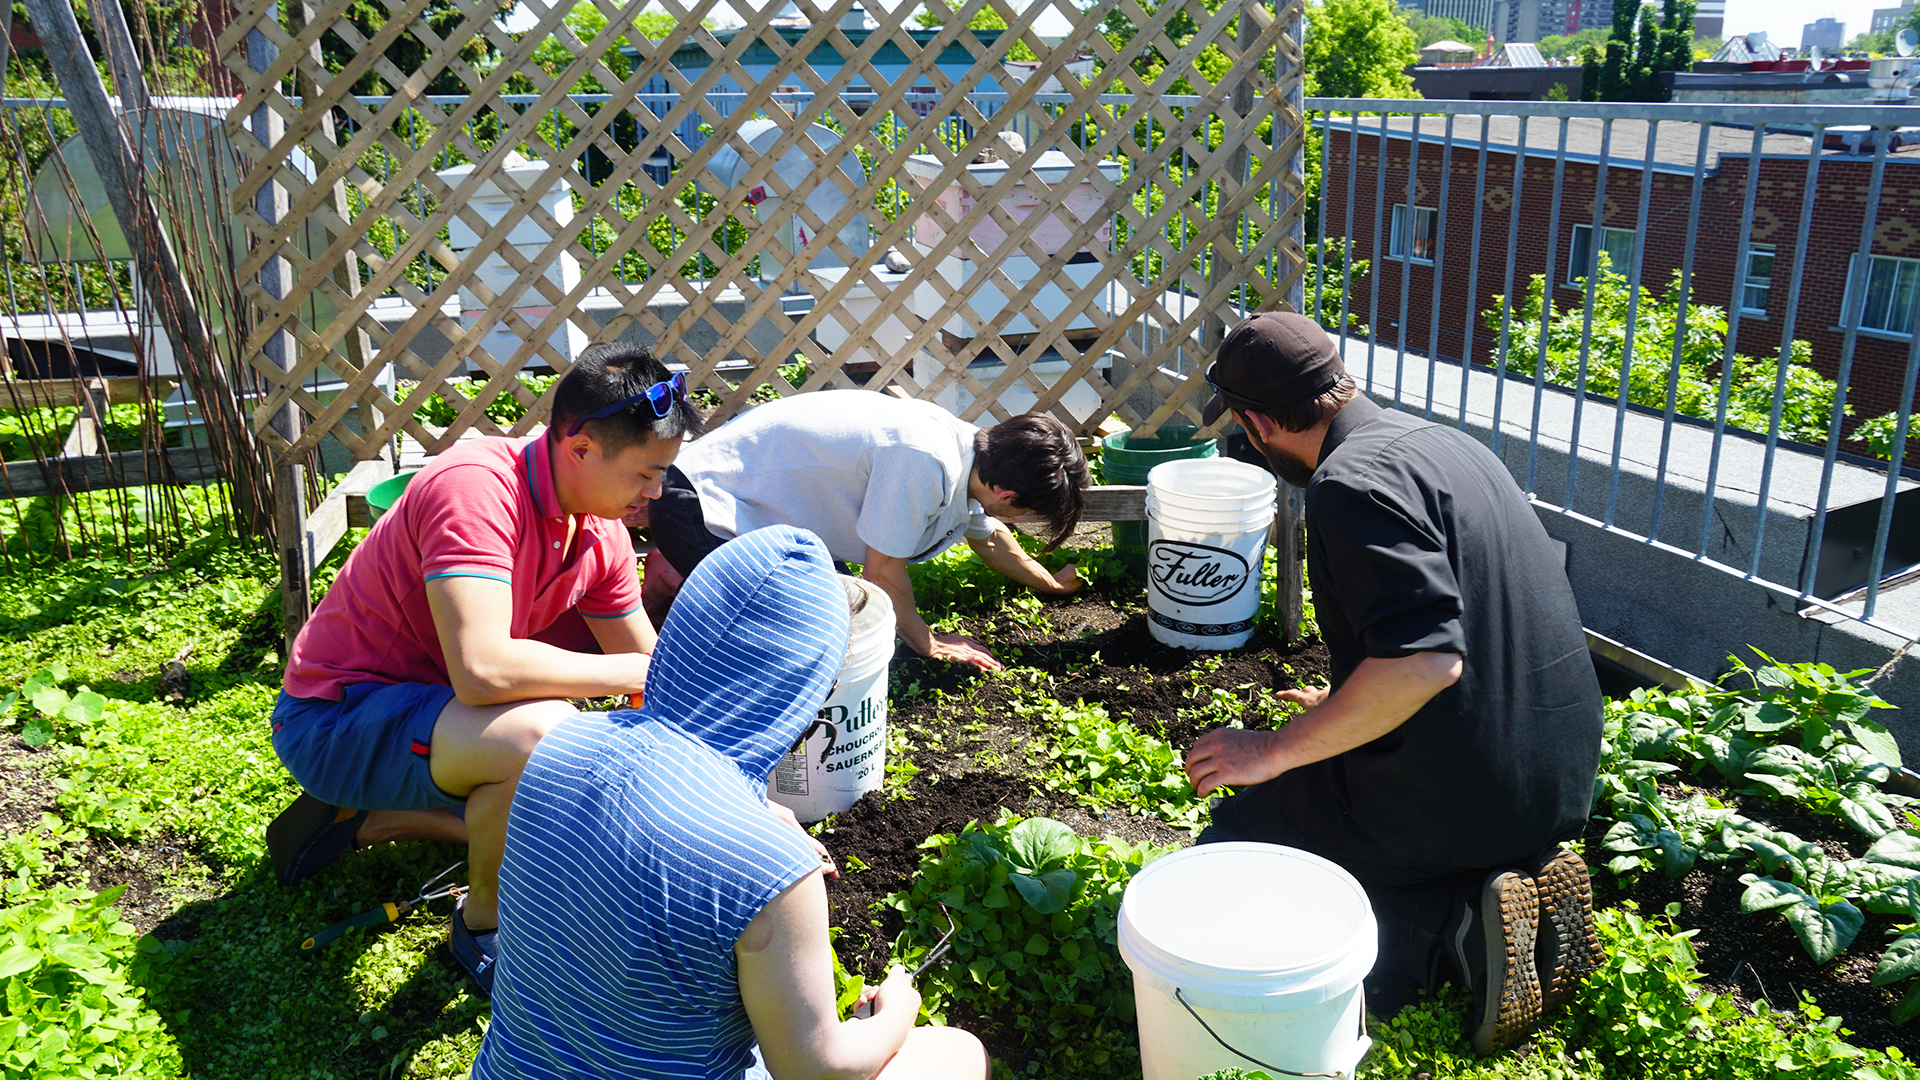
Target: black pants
679	527
1415	907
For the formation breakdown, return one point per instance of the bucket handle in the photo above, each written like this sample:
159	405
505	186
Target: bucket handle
1177	996
833	733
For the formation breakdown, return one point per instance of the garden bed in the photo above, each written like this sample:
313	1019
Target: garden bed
163	780
978	753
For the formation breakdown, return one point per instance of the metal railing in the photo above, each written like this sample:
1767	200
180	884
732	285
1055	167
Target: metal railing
1752	441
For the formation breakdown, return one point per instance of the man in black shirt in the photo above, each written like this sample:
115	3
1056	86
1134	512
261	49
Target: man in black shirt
1457	746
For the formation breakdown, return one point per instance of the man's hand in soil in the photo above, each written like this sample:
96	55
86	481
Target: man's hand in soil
1379	696
1067	578
1233	757
1306	696
891	575
960	649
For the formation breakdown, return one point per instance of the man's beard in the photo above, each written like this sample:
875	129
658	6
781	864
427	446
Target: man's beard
1287	467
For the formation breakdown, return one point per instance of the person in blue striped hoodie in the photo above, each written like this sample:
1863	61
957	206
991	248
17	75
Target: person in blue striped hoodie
657	919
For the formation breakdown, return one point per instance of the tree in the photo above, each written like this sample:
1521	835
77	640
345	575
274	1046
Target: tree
1639	48
1358	48
1561	46
1431	28
935	15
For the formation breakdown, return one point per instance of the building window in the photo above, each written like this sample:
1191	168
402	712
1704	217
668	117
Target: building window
1617	243
1758	280
1893	294
1425	234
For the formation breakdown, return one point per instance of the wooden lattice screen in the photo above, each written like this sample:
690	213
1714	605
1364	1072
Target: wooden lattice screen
1193	109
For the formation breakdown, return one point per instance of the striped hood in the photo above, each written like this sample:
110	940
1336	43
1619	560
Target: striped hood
752	647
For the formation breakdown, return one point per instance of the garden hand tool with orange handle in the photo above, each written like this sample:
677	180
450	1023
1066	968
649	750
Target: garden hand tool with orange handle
385	913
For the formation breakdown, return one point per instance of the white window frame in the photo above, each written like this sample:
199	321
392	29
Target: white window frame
1880	318
1751	283
1397	243
1583	238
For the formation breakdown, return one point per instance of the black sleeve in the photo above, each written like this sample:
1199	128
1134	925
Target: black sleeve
1390	570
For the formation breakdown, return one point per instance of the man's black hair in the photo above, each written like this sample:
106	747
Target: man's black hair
1303	415
1038	458
607	372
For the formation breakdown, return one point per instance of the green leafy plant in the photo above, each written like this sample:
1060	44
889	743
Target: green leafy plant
1036	910
58	713
1878	434
1844	782
1677	831
1106	762
70	1008
1806	396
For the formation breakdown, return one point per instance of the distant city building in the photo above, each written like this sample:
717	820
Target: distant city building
1472	12
1885	19
1828	34
1530	20
1710	19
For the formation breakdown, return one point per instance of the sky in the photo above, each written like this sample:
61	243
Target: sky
1783	20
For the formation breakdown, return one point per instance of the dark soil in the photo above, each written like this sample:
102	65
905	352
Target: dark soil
26	794
1100	651
1753	958
975	760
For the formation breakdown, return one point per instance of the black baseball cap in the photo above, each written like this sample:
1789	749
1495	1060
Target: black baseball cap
1272	360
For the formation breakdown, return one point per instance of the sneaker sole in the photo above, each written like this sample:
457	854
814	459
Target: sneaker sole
1568	947
1513	993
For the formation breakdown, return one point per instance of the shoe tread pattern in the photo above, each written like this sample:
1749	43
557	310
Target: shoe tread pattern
1511	908
1569	949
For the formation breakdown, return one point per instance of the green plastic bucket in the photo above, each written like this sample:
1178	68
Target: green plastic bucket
1127	460
382	496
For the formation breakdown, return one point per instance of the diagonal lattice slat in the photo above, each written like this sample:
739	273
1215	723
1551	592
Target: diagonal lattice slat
567	188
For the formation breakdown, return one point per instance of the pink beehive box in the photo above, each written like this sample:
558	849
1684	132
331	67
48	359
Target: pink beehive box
1086	201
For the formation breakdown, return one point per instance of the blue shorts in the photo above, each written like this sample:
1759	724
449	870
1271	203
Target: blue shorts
370	750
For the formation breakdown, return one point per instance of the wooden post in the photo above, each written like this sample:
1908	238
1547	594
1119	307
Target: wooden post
1290	554
289	475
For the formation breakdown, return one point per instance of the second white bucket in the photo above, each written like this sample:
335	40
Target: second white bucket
1204	551
843	754
1264	945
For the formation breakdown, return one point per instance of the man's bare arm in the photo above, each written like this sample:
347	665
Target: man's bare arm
1003	552
890	573
1380	695
487	665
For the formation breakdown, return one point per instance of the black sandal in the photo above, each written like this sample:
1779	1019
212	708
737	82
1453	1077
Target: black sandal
310	834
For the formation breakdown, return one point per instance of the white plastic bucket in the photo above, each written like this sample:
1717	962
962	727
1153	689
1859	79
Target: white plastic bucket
1266	944
1211	484
1237	518
843	754
1204	552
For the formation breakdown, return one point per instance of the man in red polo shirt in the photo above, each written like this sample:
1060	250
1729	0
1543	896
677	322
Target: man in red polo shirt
501	584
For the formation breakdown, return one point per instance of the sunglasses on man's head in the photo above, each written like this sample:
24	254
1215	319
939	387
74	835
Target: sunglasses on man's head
660	396
1232	397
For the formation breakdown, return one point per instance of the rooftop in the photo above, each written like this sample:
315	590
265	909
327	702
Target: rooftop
1676	145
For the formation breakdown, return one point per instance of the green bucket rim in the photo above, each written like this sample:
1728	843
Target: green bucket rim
382	496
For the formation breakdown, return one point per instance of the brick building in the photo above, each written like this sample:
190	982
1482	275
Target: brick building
1413	249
